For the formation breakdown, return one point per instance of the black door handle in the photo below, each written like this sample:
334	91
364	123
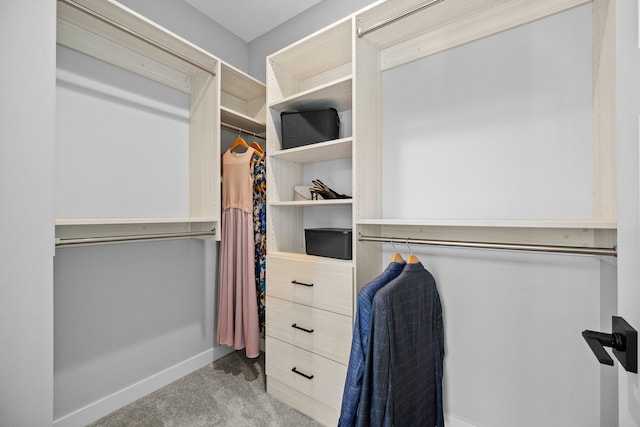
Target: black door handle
623	340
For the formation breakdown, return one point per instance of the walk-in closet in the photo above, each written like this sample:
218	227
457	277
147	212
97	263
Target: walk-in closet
393	212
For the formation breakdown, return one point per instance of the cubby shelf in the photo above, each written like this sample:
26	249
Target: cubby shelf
310	203
320	152
335	94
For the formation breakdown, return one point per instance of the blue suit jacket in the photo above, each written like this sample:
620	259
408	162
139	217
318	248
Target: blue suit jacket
402	383
359	343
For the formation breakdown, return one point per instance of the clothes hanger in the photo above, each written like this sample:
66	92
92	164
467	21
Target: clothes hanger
396	257
239	142
257	146
259	152
412	258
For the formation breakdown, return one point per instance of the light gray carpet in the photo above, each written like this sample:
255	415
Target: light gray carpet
228	392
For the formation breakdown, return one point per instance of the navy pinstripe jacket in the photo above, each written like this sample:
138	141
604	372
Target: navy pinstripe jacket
402	384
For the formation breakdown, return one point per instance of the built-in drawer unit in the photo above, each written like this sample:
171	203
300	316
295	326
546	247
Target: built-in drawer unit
320	378
309	325
326	285
322	332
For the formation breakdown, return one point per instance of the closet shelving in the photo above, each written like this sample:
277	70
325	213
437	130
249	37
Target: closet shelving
314	73
293	83
387	34
407	30
242	100
217	91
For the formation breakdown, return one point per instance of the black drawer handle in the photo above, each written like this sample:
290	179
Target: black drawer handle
295	282
309	377
302	329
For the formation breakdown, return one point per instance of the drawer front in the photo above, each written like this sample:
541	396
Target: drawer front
322	332
323	285
313	375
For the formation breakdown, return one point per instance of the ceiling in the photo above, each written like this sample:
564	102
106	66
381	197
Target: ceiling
249	19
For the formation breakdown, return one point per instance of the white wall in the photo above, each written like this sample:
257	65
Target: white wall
308	22
27	108
124	313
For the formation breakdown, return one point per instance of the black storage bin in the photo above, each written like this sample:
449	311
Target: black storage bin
328	242
308	127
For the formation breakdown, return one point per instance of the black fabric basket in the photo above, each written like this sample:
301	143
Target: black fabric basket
309	127
328	242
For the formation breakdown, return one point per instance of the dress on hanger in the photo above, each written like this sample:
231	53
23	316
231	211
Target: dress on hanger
260	230
237	303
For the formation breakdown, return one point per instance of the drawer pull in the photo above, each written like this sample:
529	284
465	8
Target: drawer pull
309	377
295	282
302	329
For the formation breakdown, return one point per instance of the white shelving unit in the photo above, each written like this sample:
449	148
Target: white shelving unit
341	67
218	93
324	300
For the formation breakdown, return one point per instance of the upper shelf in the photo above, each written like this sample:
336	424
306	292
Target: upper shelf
289	75
115	34
439	25
335	94
242	100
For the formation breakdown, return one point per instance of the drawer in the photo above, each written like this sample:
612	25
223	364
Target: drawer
323	285
322	332
315	376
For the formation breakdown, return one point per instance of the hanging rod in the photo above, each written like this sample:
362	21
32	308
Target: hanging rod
246	132
382	24
575	250
135	34
132	238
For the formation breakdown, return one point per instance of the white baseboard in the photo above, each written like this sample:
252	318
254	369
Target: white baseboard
98	409
451	421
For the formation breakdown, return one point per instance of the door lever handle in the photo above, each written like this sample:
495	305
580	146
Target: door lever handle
598	341
623	340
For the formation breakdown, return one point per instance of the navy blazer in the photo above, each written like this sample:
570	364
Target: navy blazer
402	384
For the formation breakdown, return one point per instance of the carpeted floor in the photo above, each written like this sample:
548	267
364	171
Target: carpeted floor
228	392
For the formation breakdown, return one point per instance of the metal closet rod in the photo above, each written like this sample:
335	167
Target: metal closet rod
132	238
246	132
389	21
575	250
129	31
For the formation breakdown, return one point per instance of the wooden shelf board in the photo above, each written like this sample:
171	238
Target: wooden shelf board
336	94
502	223
102	221
320	152
312	203
235	118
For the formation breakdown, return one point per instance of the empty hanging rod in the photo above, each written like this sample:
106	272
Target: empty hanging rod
135	34
575	250
382	24
132	238
246	132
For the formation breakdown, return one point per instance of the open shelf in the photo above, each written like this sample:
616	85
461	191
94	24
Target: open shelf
308	203
335	94
320	152
495	223
242	100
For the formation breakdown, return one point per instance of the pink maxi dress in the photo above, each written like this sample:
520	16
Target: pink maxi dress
238	323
